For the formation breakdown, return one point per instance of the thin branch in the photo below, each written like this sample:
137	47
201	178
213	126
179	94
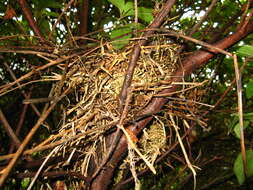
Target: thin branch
248	19
27	96
245	9
240	113
197	26
20	122
136	11
29	17
59	17
27	139
211	47
9	130
53	174
51	63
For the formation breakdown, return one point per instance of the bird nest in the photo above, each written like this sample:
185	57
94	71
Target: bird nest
91	108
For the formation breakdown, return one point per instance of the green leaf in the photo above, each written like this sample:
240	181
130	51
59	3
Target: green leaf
246	50
50	13
120	4
128	9
233	121
145	14
44	26
124	40
237	128
238	166
50	4
248	116
249	89
25	182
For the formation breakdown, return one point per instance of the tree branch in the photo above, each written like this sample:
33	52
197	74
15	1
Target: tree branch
83	17
197	26
29	17
9	130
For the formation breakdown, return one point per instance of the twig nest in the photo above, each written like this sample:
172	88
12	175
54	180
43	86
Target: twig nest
97	78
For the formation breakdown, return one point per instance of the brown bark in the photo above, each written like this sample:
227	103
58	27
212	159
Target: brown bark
83	17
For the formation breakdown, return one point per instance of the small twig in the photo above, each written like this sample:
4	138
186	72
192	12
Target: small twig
245	9
71	35
183	149
38	100
204	44
179	91
41	167
247	19
136	11
197	26
54	174
55	62
9	130
32	52
58	19
240	113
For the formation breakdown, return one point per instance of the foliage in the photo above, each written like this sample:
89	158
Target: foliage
238	166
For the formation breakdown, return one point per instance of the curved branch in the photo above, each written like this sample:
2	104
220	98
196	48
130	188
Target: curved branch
191	63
